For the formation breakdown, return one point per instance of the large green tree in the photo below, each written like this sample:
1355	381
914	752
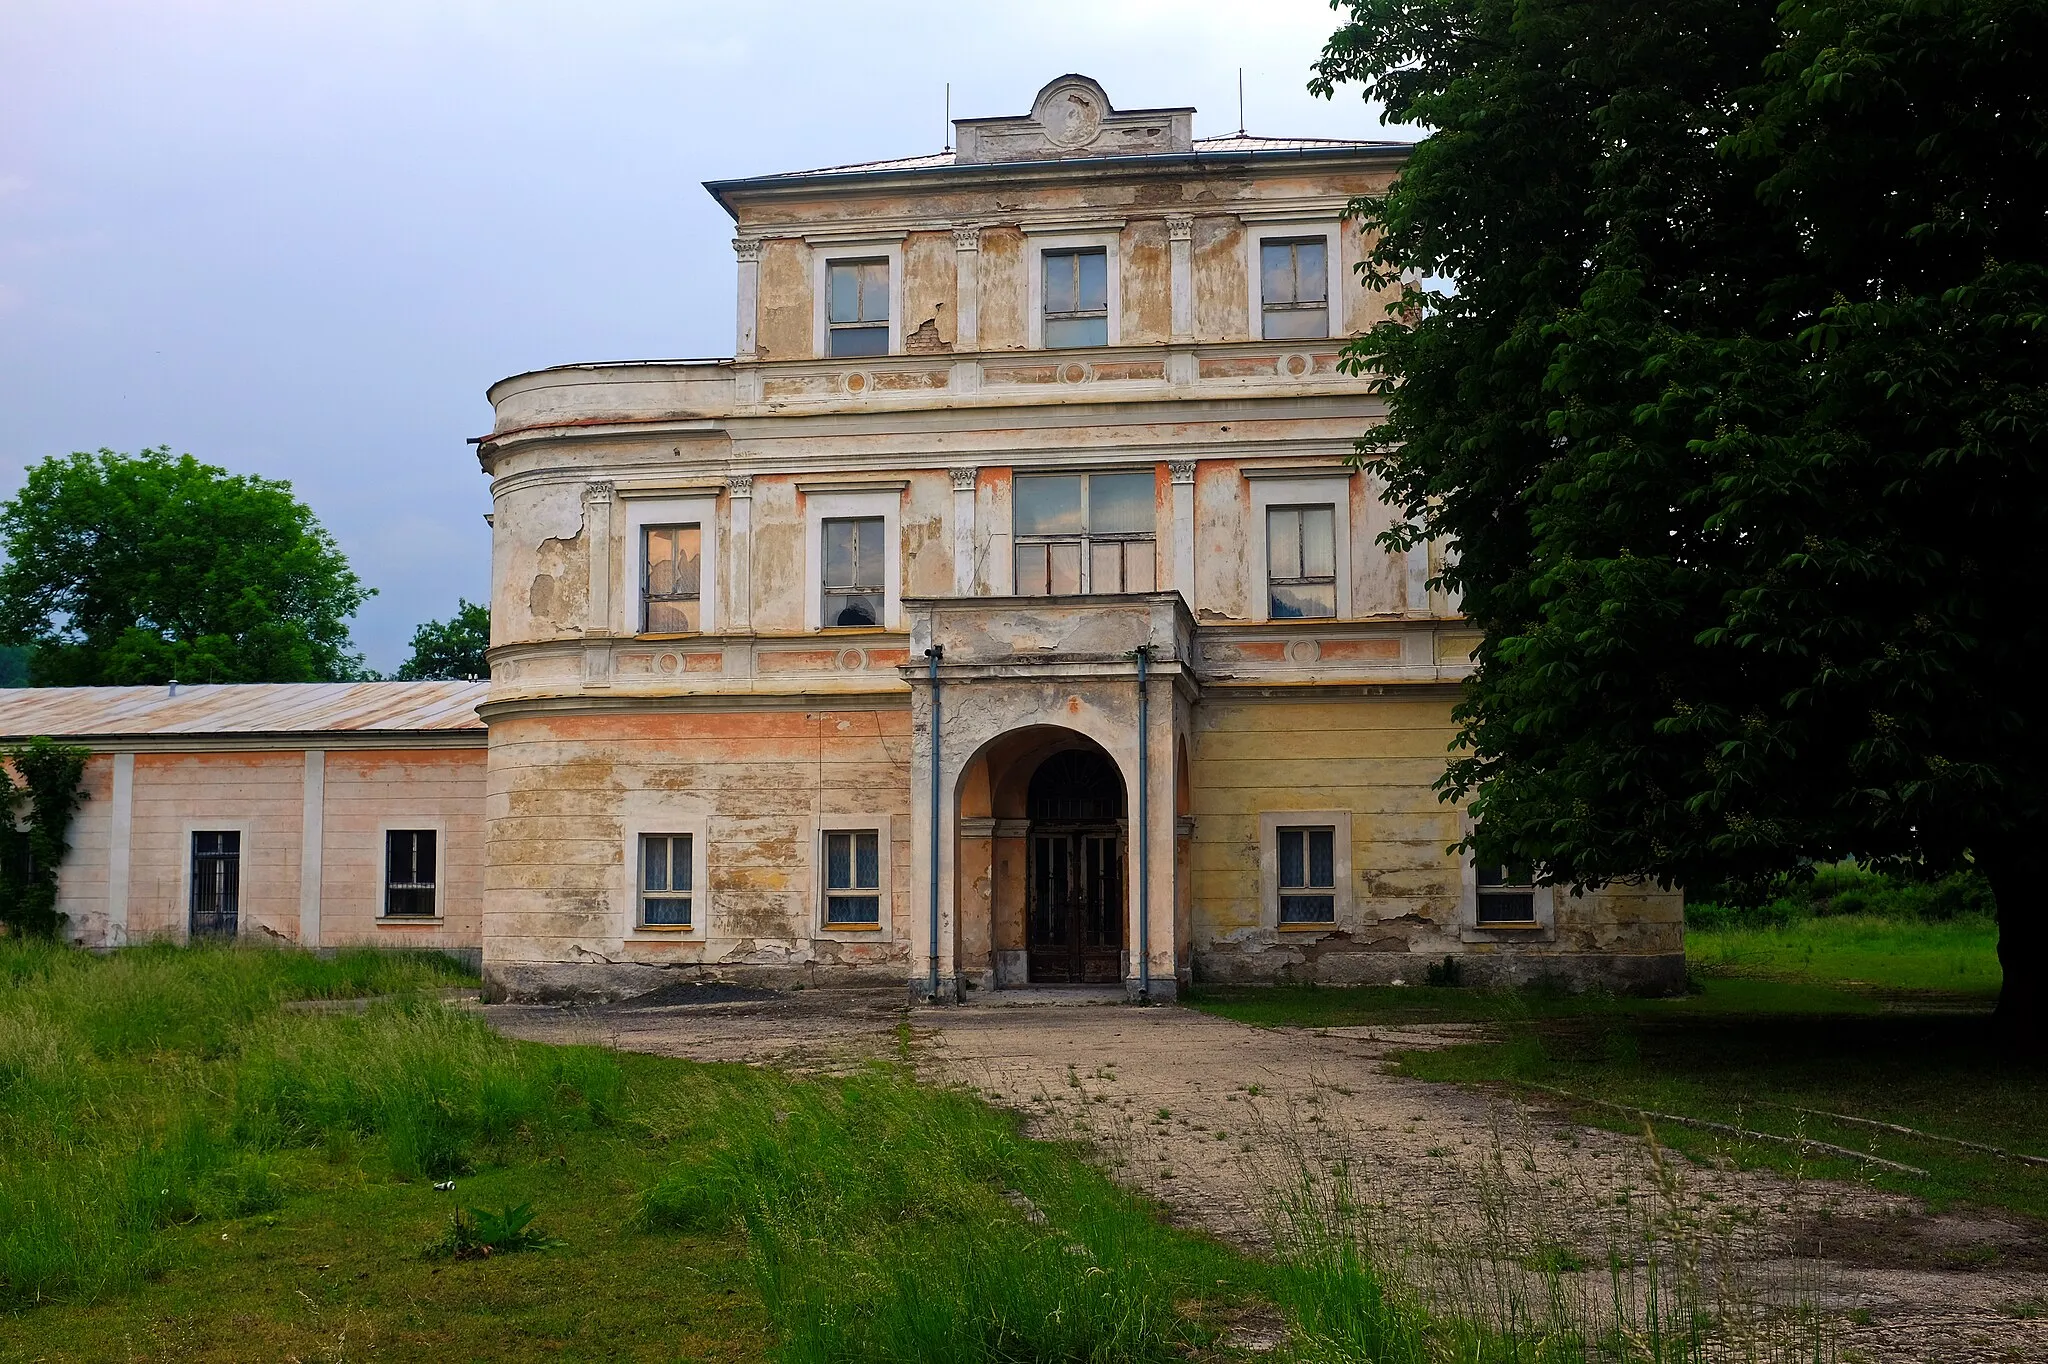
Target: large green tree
1723	367
144	568
451	649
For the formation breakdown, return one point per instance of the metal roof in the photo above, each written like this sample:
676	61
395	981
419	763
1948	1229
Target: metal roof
1230	142
245	708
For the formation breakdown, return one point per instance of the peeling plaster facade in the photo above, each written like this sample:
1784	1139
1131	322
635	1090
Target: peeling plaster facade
768	730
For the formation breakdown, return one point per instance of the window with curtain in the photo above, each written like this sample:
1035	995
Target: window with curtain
665	880
671	579
853	878
1301	562
1308	875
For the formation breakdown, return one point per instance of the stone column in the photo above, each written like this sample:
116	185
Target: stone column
967	288
749	252
739	593
1182	472
963	531
1180	230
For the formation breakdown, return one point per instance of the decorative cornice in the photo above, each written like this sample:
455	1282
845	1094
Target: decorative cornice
1181	470
747	248
1180	227
967	239
963	479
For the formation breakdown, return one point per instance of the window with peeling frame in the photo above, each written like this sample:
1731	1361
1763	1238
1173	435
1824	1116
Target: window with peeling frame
1294	288
1076	298
1506	894
853	878
1085	533
1301	562
857	307
854	571
671	579
409	873
1308	874
665	880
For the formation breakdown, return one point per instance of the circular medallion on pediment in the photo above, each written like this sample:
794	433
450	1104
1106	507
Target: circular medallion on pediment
856	382
1075	372
1072	116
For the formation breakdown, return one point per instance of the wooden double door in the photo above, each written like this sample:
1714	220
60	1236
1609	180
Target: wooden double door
1075	910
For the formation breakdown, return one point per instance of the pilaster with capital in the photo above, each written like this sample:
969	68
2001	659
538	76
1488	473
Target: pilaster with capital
1182	474
964	481
967	288
748	250
1180	232
740	551
597	624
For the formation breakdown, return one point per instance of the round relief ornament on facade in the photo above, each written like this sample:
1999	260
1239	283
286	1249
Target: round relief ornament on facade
1074	372
856	382
1305	651
1072	116
851	660
1296	365
668	663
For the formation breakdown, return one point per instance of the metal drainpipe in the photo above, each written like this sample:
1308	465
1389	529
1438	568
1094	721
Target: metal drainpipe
935	653
1144	834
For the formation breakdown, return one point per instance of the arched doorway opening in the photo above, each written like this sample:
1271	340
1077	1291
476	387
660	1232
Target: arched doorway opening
1074	884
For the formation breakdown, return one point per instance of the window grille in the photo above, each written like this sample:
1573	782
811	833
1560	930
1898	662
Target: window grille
853	879
1301	562
671	585
857	315
216	893
1294	287
666	870
1506	894
854	575
1076	298
1077	533
1308	875
409	873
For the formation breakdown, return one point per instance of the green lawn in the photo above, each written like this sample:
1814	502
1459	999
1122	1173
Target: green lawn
1870	1018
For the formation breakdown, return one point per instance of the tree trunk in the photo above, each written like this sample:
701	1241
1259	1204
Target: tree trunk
2022	945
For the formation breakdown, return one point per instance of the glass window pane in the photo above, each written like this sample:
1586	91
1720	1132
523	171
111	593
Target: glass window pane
1276	272
1311	272
1060	282
853	909
1031	579
1291	868
674	617
1048	504
867	562
1497	907
1302	601
1318	542
1066	568
653	862
853	609
1322	857
1071	332
844	291
1122	504
838	553
867	861
1105	565
1283	542
665	911
1308	909
423	858
660	556
1490	874
1139	566
1297	324
1094	281
857	341
839	861
874	291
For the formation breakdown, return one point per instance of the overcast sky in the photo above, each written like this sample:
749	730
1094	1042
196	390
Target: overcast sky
300	239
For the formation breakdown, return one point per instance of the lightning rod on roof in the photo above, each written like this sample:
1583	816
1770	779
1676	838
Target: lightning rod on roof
949	116
1240	101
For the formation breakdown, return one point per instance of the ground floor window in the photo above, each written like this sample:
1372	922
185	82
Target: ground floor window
1506	894
1308	875
853	878
410	857
665	880
216	883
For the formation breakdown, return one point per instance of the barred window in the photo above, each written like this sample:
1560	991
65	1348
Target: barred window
1308	875
1506	894
853	879
409	873
665	880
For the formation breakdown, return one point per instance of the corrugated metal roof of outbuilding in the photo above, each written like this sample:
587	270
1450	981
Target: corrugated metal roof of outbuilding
242	708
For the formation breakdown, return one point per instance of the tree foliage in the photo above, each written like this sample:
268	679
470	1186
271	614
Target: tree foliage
451	649
144	568
1736	416
45	777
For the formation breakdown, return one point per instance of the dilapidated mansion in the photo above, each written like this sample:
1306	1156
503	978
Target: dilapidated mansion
1003	612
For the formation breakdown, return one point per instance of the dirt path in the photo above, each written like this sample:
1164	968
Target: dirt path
1217	1120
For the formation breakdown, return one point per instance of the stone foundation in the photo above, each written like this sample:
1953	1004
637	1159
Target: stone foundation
1629	974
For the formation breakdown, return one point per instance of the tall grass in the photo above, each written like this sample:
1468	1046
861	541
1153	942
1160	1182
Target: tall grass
161	1086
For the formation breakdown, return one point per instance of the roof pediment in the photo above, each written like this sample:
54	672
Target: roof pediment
1072	117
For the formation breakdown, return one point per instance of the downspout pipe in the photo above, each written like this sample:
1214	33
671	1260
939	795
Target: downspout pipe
1144	652
934	654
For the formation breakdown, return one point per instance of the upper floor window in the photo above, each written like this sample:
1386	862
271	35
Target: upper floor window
857	307
1084	533
1294	288
671	596
1076	298
855	576
1301	562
